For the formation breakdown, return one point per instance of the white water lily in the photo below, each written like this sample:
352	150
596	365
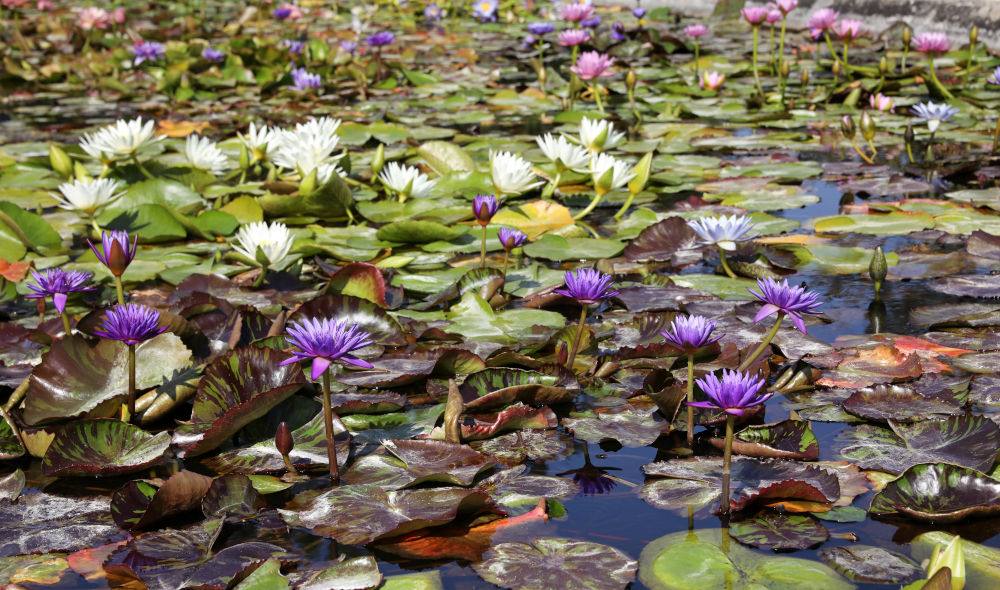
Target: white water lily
723	231
122	139
258	140
609	173
563	153
407	181
88	196
274	241
598	136
202	153
309	146
511	174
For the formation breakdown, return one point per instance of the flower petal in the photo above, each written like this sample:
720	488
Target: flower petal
797	321
765	311
319	366
59	300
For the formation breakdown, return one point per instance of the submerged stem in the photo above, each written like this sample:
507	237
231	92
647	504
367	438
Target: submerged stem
577	338
727	457
690	398
331	449
763	345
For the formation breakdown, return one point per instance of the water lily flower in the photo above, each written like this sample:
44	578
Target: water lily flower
688	334
406	181
591	23
324	341
608	173
711	80
485	10
43	5
848	29
542	28
786	6
510	238
123	139
723	231
880	102
695	31
564	154
934	43
773	15
212	54
529	41
130	323
93	17
294	46
598	135
575	13
148	51
58	284
380	39
203	154
617	31
734	394
511	174
754	14
349	47
432	12
588	286
309	146
88	196
118	15
821	21
116	251
952	558
638	12
273	240
484	207
302	79
573	37
258	140
783	299
934	114
287	11
593	65
994	77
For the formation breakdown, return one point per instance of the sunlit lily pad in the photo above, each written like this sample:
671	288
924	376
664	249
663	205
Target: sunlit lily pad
353	573
102	447
769	530
537	445
939	492
631	428
555	563
513	487
46	523
865	563
885	402
789	439
412	462
498	387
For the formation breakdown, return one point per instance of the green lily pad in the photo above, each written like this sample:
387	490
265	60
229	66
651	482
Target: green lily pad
982	563
102	447
417	232
498	387
769	530
553	247
555	563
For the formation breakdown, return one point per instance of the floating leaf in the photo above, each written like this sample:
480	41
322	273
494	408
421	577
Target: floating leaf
417	232
139	504
415	462
513	487
535	218
102	447
359	279
555	563
11	485
369	317
494	388
769	530
789	439
45	523
232	495
670	240
868	564
514	448
353	573
939	492
630	428
885	402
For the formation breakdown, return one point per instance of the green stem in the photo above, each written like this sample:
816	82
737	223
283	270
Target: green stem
996	135
577	338
690	398
506	258
861	153
771	46
696	60
968	64
763	345
483	251
260	277
131	383
331	449
829	44
628	203
909	150
135	160
596	89
65	320
725	265
847	67
781	44
598	195
120	290
756	75
727	458
934	78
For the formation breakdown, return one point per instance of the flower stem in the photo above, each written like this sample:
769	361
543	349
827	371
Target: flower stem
725	265
331	449
506	259
934	79
135	160
727	457
65	320
626	205
483	252
861	153
598	195
690	398
577	338
131	383
771	46
968	64
847	68
696	60
596	89
756	75
829	44
260	278
763	345
120	290
781	44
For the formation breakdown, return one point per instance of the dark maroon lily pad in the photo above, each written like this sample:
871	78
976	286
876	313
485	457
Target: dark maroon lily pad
514	448
353	573
871	565
670	240
172	559
514	417
956	315
966	440
630	428
514	487
557	564
367	315
102	447
141	503
309	452
236	389
495	388
940	493
788	439
754	480
232	495
779	532
641	337
896	402
11	485
412	462
360	514
399	370
968	285
45	523
367	402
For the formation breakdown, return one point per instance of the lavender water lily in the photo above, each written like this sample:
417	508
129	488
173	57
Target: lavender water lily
690	334
588	287
130	324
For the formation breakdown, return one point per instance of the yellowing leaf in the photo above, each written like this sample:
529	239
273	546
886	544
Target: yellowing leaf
535	218
172	128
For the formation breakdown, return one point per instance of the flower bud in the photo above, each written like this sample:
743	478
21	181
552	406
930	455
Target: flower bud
308	184
883	66
952	558
604	182
283	440
80	172
630	79
785	68
378	159
867	126
641	172
878	268
244	160
60	161
847	126
804	77
562	353
908	134
907	35
973	35
118	259
836	69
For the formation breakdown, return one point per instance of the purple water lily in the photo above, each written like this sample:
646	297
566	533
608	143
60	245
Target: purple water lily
485	207
380	39
213	54
783	298
116	252
58	284
638	12
733	394
304	80
324	341
293	46
148	51
510	238
130	323
539	29
587	286
689	333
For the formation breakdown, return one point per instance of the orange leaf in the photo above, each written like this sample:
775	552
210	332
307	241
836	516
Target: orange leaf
89	563
172	128
14	272
535	218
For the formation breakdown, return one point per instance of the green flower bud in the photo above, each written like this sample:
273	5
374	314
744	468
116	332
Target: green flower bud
244	160
804	77
883	66
60	161
641	172
907	35
973	35
847	126
867	126
80	172
908	134
308	184
878	268
378	160
786	68
630	79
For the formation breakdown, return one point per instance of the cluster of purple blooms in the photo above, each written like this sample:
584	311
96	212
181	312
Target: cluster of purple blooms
304	80
148	51
294	46
486	10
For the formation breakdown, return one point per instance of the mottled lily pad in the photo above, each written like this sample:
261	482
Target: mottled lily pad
139	503
939	492
788	439
555	563
353	573
868	564
513	487
11	485
47	523
102	447
894	402
769	530
537	445
630	428
495	388
412	462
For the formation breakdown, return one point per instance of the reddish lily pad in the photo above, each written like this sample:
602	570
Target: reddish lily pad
868	564
940	493
788	439
630	428
896	402
236	389
670	240
554	563
46	523
360	514
367	315
141	503
399	370
513	487
102	447
769	530
367	402
359	279
514	417
882	364
514	448
415	462
494	388
966	440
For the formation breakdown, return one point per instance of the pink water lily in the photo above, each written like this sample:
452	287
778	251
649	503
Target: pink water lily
593	65
935	43
848	29
711	80
754	14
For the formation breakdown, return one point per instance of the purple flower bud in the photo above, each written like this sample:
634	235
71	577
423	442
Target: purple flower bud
484	207
116	253
213	54
510	238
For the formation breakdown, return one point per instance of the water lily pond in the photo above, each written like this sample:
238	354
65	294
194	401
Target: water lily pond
414	295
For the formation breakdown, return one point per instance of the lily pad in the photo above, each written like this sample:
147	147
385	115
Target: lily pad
939	492
11	485
556	563
894	402
413	462
139	504
514	448
670	240
46	523
514	487
102	447
868	564
630	428
353	573
769	530
494	388
789	439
